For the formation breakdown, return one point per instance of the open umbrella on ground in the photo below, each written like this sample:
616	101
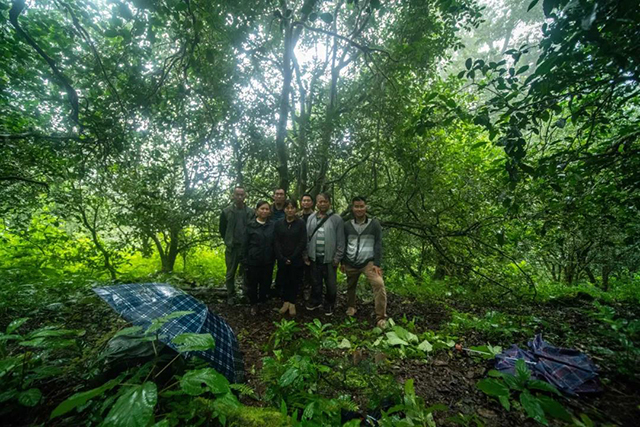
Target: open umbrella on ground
143	303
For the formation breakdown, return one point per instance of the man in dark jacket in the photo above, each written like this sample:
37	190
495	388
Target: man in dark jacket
233	223
363	255
277	208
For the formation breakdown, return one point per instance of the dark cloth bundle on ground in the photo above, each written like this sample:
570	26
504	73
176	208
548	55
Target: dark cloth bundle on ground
141	303
570	371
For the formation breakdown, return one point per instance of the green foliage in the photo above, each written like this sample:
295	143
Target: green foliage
28	359
627	334
537	406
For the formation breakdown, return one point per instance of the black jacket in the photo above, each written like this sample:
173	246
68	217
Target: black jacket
290	241
257	248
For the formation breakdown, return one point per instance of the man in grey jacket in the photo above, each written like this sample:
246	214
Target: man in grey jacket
233	223
325	249
363	255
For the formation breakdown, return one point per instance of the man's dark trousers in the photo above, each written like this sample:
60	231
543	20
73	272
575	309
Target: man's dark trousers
326	273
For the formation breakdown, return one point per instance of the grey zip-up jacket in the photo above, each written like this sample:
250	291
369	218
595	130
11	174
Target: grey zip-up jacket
228	222
333	237
364	243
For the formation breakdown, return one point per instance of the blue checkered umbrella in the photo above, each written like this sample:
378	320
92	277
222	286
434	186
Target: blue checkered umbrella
141	303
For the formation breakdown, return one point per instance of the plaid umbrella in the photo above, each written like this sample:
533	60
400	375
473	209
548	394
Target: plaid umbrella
141	303
568	370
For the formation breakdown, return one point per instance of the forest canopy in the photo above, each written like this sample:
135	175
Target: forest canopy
129	122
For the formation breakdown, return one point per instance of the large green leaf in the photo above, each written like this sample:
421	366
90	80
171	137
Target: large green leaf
134	408
522	371
493	387
30	397
199	381
394	339
80	399
6	365
194	342
542	385
532	406
289	376
158	323
15	324
425	346
553	408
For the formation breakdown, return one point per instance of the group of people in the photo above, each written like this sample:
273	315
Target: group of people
308	246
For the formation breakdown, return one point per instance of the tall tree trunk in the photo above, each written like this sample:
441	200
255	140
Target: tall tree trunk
291	36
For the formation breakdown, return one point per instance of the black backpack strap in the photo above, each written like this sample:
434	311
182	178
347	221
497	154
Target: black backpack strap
320	224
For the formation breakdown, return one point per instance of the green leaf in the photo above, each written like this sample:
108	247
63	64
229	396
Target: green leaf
394	339
111	33
543	385
46	333
326	17
6	365
495	374
522	372
504	401
492	387
553	408
30	397
134	408
532	406
425	346
344	343
468	63
160	321
133	330
289	376
194	342
80	399
532	5
548	6
197	382
522	69
181	6
513	382
15	324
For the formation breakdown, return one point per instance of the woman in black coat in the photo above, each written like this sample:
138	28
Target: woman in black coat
258	255
290	244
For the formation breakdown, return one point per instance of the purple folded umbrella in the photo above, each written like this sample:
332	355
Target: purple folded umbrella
570	371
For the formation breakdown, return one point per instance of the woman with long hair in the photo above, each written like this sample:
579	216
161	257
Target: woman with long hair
258	255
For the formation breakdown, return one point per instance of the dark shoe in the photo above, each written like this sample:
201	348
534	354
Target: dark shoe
328	311
312	307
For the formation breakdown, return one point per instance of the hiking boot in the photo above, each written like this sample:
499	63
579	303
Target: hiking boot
351	311
292	310
382	323
328	311
312	306
284	308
